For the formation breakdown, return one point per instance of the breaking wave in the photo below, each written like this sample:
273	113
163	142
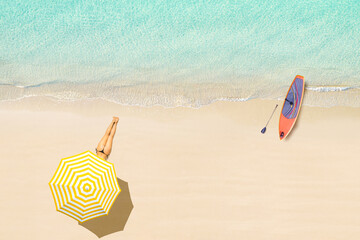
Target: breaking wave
329	88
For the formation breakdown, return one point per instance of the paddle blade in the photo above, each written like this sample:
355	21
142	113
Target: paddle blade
263	130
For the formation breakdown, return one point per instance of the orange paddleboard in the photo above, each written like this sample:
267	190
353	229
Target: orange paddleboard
291	107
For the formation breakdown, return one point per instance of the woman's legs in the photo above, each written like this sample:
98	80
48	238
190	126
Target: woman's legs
100	149
108	145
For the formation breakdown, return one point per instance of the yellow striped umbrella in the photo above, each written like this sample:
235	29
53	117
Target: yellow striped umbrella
84	186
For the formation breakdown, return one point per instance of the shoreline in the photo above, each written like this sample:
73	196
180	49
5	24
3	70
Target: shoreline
192	95
47	102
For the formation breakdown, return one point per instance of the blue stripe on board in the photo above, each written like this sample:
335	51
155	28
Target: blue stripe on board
293	99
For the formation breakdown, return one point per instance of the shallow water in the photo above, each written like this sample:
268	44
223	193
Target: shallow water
179	53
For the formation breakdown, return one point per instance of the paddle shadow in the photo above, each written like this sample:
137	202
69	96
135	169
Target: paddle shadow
118	215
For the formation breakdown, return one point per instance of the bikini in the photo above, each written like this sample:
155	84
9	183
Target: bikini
102	151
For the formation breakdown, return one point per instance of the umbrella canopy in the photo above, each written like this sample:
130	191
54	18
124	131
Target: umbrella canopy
84	186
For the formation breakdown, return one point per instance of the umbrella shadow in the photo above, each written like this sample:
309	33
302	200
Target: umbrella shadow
118	215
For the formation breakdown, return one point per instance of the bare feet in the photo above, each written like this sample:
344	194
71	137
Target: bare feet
115	119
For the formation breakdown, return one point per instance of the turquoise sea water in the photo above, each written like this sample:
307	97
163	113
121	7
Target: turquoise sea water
180	53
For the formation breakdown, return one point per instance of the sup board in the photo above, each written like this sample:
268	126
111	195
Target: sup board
291	107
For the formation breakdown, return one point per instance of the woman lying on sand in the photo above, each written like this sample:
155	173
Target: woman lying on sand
103	149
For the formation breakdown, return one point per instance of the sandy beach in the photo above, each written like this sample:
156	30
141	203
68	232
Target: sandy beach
204	173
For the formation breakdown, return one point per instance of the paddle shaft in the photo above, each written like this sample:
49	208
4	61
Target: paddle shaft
271	115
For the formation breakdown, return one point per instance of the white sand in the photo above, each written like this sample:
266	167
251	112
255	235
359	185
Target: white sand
193	173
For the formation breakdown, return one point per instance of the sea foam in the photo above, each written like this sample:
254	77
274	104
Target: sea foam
167	95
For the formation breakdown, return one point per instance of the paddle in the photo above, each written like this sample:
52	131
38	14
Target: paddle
264	129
